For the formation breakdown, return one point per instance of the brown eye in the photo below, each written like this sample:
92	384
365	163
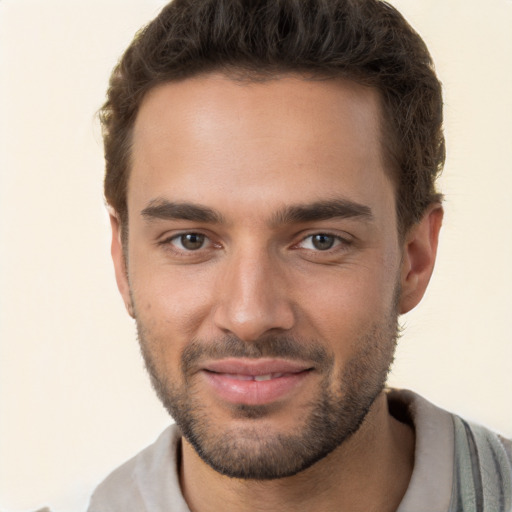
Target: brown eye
191	241
322	242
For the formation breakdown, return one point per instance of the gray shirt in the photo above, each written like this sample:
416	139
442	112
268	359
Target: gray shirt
458	467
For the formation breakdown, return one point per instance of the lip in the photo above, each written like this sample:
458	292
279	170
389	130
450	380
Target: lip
255	382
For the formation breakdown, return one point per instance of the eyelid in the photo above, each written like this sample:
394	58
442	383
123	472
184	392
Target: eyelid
339	240
167	241
179	241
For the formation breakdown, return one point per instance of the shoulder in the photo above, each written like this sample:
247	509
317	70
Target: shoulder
483	467
146	482
465	465
107	496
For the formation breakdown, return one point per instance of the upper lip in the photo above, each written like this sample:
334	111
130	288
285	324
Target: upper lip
255	367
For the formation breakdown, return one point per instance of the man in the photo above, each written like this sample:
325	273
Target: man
271	173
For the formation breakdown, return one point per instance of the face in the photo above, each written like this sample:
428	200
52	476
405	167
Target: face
263	265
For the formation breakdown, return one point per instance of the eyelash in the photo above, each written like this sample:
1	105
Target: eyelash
169	245
338	241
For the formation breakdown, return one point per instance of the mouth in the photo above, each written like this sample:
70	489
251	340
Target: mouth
255	382
257	378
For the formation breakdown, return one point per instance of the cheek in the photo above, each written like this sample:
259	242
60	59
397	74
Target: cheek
170	302
348	302
168	305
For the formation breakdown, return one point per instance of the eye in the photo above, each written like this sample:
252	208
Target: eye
189	241
320	242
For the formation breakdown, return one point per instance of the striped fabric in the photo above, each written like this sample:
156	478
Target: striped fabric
482	471
459	467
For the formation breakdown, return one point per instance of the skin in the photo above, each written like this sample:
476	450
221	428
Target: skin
269	147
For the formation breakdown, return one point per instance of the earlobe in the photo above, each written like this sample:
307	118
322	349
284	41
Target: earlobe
118	257
419	256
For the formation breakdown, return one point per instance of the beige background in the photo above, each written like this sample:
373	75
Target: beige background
74	399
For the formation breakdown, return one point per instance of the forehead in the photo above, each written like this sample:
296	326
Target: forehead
282	140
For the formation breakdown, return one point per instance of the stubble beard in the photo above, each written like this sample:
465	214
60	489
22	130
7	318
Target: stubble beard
250	452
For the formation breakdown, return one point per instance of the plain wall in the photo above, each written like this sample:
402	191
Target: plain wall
75	401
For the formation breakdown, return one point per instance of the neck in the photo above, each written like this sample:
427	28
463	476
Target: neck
368	472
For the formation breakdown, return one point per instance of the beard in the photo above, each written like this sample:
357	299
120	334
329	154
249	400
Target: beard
249	449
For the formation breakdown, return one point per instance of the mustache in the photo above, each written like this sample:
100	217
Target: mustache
277	346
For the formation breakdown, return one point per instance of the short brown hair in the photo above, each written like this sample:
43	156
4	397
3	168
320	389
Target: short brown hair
363	40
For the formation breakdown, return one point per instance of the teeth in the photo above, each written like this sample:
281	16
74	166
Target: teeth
268	376
258	378
237	376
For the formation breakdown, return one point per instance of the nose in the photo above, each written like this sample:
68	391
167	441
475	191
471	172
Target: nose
252	297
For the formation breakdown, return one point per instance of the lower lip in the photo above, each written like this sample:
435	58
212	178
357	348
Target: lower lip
251	392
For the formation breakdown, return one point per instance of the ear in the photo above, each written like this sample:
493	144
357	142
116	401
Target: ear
119	260
419	256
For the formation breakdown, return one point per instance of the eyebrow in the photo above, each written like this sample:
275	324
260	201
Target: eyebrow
323	210
162	209
167	210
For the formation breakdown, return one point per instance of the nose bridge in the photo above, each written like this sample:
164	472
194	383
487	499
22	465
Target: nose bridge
252	297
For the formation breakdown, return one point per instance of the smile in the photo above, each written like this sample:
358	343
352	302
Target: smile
258	378
255	382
